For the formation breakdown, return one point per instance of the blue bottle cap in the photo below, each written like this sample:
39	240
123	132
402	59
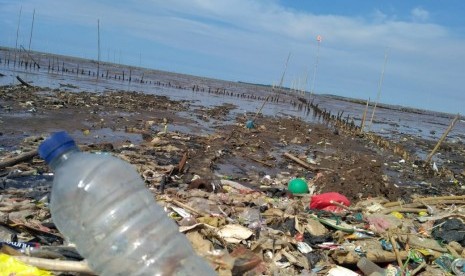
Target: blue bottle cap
55	145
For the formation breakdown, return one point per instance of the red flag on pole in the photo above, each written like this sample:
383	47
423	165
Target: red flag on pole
318	38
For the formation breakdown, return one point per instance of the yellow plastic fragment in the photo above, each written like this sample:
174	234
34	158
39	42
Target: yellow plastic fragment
11	266
397	215
425	252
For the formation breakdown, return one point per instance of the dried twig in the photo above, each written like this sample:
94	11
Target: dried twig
18	159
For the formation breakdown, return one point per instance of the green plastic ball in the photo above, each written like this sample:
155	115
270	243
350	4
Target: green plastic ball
298	186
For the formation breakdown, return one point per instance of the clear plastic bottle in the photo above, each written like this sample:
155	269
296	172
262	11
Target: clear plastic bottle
100	203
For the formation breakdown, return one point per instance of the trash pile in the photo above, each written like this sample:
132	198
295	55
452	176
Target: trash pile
280	225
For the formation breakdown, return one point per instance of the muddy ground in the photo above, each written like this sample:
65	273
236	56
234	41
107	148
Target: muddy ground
341	161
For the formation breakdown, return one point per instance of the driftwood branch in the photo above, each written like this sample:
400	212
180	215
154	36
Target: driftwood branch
17	159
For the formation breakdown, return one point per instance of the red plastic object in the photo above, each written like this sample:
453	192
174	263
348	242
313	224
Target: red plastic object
323	202
299	237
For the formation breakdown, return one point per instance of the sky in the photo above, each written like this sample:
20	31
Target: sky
417	47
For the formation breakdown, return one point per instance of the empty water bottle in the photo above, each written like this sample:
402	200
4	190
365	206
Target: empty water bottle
100	203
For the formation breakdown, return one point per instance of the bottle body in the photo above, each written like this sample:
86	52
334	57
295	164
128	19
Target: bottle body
100	203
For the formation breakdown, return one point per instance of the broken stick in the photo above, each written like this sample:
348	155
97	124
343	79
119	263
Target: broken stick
18	159
304	164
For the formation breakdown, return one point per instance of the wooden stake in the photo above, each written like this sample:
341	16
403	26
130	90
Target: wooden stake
451	126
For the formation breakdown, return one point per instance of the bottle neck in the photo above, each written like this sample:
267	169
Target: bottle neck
60	159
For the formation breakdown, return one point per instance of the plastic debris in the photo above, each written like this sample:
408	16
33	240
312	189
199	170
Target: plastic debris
298	186
325	202
250	124
10	266
228	188
448	230
234	233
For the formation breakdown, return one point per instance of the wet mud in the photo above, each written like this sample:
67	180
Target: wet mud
344	160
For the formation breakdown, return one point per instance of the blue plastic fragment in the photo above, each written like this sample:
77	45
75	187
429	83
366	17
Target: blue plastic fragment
250	124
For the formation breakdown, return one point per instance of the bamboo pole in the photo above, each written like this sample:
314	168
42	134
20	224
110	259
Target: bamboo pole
362	125
318	39
32	27
56	265
27	53
284	72
396	252
260	109
451	126
17	32
304	89
380	84
98	44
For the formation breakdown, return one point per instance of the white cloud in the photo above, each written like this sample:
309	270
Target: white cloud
420	14
252	38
